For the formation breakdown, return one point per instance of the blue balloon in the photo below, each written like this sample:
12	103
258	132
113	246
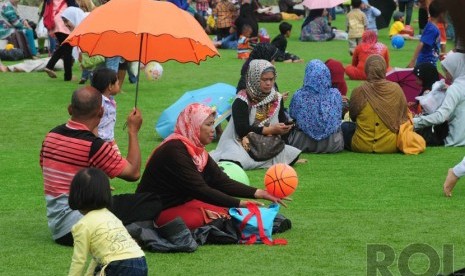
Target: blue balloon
397	41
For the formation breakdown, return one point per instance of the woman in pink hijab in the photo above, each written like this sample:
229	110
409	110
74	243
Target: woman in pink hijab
187	180
369	46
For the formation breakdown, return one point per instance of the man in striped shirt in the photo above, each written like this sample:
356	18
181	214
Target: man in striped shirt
70	147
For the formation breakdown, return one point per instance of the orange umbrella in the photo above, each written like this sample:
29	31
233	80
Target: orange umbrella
143	30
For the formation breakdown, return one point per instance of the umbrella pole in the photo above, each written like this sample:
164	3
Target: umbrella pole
138	68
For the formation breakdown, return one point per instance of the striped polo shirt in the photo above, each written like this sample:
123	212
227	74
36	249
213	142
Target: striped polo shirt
66	150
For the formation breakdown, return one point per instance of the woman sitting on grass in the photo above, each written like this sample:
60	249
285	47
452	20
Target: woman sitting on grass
377	109
316	109
369	46
316	27
187	180
264	51
452	108
259	109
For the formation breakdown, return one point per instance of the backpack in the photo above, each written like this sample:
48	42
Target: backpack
49	14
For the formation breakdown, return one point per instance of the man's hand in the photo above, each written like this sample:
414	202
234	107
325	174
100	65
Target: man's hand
134	121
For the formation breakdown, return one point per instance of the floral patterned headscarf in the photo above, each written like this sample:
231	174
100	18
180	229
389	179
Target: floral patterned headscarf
316	107
187	130
370	43
266	104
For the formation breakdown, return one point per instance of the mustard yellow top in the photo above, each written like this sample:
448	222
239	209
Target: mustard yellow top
372	135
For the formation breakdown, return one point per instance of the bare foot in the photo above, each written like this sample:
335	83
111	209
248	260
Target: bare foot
301	161
298	60
450	182
3	68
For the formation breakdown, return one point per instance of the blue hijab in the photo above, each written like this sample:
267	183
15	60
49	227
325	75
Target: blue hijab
316	107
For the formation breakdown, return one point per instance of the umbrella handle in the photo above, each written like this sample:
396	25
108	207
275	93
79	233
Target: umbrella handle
138	69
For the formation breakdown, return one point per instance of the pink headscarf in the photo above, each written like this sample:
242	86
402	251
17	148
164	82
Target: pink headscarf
187	130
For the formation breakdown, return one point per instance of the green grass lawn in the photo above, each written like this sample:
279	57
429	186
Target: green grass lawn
343	203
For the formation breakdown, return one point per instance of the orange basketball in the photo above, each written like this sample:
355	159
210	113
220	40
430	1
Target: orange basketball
281	180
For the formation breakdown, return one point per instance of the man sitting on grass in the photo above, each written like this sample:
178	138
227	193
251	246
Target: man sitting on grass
72	146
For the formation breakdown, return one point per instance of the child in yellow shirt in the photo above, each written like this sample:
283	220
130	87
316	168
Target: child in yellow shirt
398	26
99	232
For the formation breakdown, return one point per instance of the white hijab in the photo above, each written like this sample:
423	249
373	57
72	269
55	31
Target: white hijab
455	65
74	15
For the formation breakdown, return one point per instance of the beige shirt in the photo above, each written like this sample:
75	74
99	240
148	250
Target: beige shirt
356	23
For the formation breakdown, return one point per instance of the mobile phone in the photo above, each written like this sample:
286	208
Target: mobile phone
289	123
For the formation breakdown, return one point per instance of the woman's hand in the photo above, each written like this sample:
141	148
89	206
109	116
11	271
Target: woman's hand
277	129
262	194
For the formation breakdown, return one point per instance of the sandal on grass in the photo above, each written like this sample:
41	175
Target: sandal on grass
50	73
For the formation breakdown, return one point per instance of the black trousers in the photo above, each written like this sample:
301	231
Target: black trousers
64	51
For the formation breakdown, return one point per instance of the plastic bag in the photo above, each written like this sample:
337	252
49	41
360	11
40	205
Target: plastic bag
41	31
431	101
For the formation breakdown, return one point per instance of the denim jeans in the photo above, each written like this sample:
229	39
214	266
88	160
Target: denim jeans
113	63
132	267
29	34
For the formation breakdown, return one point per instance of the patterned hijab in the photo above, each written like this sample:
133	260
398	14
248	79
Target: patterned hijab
266	51
266	104
385	97
370	43
187	130
316	106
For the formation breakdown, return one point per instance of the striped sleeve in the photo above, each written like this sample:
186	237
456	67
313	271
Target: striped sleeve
106	158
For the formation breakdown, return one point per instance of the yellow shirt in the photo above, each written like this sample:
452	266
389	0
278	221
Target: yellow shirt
372	135
396	28
104	236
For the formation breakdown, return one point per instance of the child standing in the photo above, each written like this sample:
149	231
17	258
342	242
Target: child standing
243	43
106	81
280	41
99	232
356	23
371	13
429	47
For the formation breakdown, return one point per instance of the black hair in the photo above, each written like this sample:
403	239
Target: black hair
246	27
90	190
85	102
435	9
102	78
284	27
356	4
